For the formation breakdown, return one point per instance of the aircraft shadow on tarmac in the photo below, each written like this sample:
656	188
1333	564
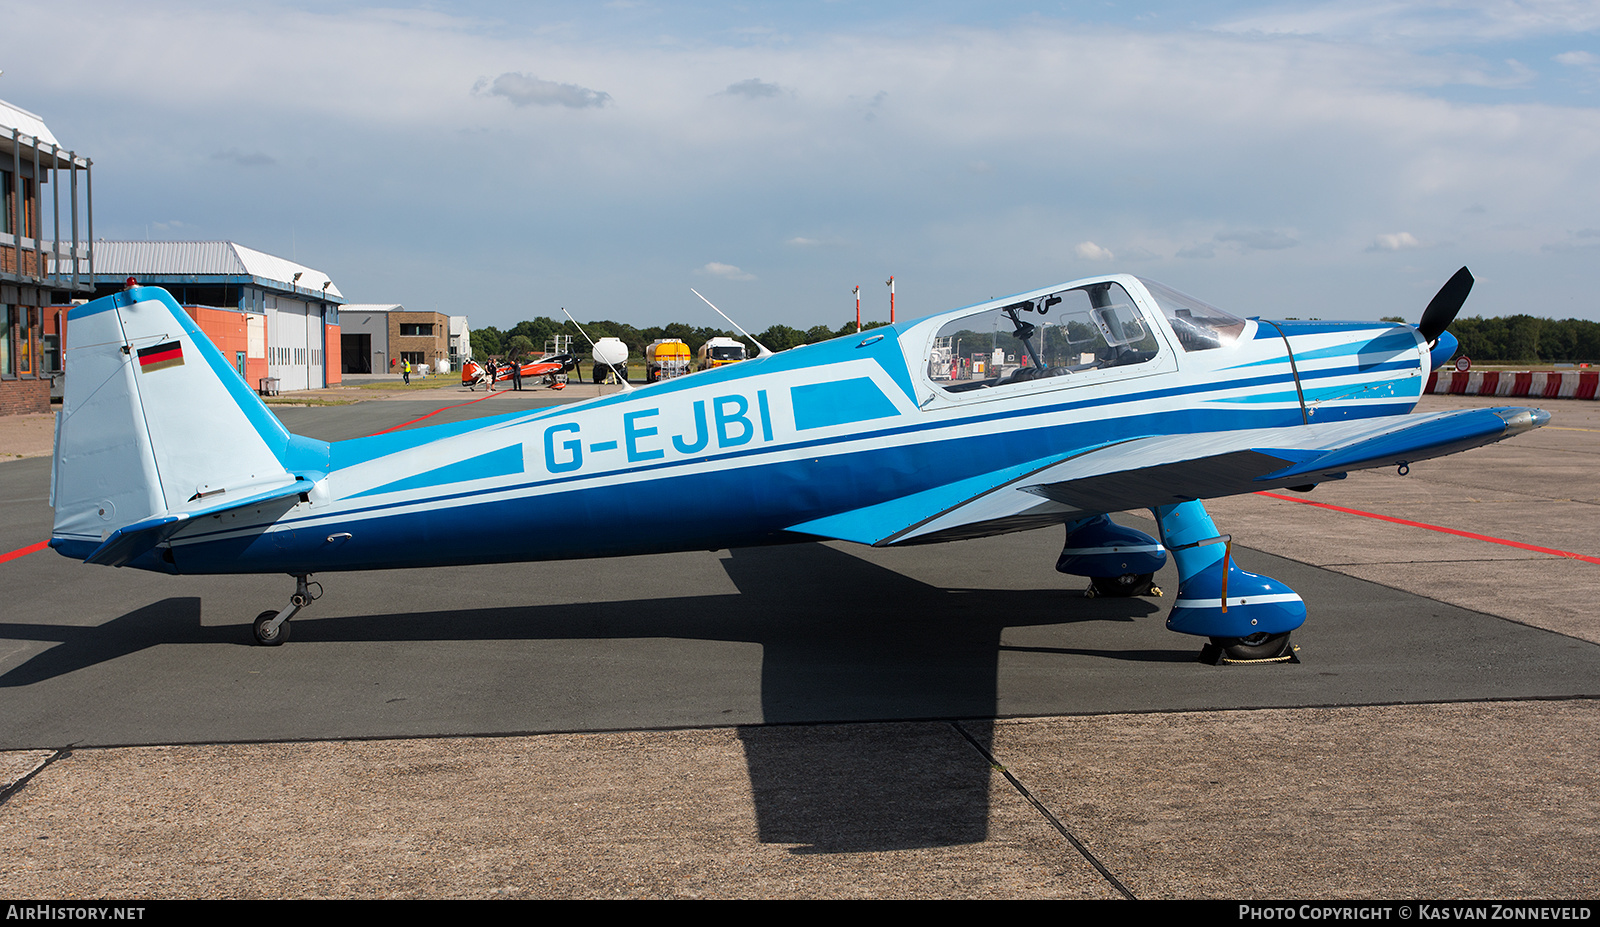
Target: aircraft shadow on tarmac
863	638
840	638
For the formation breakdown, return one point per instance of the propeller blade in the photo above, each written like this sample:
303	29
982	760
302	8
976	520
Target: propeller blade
1446	303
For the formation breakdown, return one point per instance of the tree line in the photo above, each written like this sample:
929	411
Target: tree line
531	337
1508	339
1526	339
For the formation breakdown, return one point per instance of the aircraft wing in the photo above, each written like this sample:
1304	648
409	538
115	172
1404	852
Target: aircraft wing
1167	469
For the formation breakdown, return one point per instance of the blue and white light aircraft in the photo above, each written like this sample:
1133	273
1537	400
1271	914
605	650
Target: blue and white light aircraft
1053	407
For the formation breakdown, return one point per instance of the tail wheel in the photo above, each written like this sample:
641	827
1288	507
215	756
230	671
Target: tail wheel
1261	646
269	637
1128	584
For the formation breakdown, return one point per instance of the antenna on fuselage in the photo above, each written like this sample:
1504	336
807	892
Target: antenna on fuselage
624	378
759	346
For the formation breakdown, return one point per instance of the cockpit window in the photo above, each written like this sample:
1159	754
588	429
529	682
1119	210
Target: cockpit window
1199	326
1056	335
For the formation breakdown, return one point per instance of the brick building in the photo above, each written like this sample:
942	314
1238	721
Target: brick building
379	336
45	258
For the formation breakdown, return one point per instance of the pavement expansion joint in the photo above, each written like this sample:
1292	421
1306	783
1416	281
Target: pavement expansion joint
1049	817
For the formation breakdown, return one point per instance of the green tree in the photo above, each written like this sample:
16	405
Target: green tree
519	347
486	341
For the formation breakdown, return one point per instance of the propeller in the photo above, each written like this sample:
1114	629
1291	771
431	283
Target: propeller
1446	303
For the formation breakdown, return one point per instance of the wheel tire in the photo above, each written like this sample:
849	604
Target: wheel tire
1261	646
265	638
1124	586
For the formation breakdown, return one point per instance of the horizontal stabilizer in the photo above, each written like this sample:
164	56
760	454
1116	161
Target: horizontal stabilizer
131	542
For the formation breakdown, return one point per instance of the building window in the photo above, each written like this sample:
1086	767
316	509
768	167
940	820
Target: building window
416	329
415	357
28	204
7	364
26	343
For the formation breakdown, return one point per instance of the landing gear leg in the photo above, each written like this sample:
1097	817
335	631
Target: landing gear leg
272	628
1247	617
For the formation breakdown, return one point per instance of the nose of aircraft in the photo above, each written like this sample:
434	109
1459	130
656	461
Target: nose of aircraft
1443	350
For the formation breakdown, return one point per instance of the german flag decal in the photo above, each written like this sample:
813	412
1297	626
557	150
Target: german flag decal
160	357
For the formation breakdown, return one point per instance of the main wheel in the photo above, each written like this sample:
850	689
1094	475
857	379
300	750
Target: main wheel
1128	584
1261	646
269	638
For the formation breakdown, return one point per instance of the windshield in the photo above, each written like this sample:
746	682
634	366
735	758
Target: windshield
1072	331
1198	325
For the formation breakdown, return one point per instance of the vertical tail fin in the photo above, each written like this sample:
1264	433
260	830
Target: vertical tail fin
155	428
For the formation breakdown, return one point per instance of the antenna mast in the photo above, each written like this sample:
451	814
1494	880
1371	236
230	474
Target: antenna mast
624	378
759	346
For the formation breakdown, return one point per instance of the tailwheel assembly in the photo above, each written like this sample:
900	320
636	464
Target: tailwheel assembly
267	632
272	628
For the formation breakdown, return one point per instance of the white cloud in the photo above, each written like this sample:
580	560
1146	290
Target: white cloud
1396	241
1581	60
1434	23
725	271
1090	251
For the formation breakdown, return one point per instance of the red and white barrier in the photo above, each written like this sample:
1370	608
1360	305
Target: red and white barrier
1544	384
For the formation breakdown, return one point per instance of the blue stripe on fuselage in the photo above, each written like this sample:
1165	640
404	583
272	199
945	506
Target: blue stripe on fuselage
841	402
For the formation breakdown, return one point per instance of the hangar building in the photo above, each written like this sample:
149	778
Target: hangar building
271	316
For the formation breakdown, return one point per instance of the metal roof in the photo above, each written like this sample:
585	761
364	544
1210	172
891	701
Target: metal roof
371	307
210	259
35	134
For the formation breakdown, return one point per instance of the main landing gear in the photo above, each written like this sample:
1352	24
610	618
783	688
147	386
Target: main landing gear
1247	618
272	628
1119	561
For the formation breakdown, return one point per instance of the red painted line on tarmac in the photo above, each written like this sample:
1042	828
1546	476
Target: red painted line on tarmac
1418	524
436	412
24	551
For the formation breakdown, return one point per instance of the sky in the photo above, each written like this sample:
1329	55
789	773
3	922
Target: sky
502	160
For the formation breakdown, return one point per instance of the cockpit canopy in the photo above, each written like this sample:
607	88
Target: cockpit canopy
1092	327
